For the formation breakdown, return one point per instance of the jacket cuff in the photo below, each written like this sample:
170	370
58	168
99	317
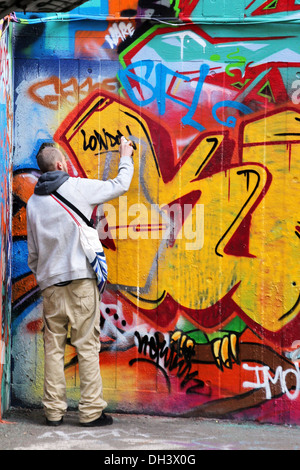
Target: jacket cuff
126	160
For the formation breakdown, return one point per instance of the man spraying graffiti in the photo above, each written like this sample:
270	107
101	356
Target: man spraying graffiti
67	281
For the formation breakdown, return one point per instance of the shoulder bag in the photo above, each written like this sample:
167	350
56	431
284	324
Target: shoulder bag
90	242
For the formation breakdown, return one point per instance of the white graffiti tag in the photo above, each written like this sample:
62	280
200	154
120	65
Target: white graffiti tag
264	378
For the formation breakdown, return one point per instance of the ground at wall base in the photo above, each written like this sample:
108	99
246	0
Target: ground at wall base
25	429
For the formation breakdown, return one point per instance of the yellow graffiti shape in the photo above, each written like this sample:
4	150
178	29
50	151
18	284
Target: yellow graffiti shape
151	260
240	231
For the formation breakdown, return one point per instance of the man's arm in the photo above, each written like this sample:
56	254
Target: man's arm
103	191
32	250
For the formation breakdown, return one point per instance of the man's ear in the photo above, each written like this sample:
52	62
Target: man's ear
58	165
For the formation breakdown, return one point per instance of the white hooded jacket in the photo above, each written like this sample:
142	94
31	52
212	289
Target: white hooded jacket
54	249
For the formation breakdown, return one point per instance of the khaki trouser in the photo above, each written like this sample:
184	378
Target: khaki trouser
76	304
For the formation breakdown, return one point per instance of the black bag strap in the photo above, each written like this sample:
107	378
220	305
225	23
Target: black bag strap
59	196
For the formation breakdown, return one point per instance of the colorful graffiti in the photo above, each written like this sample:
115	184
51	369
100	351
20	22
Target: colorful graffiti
200	316
6	127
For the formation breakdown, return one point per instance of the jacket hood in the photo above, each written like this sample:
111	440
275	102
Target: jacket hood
50	181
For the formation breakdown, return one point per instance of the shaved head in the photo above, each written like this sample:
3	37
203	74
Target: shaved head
50	158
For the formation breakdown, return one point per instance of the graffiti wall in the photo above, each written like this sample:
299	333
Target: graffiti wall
6	147
200	316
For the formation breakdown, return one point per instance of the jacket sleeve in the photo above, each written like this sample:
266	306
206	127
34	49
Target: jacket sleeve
98	191
32	249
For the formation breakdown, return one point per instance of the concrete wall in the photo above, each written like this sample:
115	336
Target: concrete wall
6	148
200	316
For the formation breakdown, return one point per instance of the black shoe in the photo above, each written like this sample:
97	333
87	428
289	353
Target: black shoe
54	423
104	420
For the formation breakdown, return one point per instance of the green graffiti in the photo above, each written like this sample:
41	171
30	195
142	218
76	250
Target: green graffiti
239	62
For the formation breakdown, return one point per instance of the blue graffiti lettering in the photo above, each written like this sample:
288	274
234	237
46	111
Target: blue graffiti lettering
188	118
125	75
144	93
231	120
